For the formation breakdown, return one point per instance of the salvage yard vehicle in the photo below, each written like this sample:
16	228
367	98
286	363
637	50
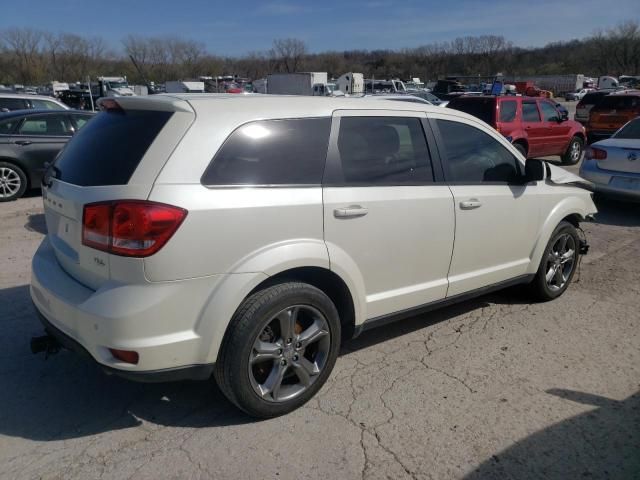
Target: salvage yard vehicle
28	140
13	101
587	102
246	236
611	113
535	126
613	165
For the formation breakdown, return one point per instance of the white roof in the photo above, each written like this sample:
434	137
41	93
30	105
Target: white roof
267	106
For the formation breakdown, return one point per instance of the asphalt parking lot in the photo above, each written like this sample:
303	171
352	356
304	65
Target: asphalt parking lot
495	387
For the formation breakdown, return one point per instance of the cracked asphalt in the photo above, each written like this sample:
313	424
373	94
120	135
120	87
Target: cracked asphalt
495	387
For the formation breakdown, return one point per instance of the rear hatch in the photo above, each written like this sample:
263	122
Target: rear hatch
613	111
116	156
483	108
585	105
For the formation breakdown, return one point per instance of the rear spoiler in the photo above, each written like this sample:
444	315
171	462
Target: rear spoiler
161	103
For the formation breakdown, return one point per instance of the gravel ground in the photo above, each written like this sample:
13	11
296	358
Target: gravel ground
492	388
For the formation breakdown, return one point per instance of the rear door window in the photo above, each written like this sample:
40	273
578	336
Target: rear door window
45	105
530	112
46	125
109	148
381	151
272	152
508	110
480	107
8	126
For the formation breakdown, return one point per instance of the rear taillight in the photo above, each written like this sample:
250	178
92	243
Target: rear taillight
131	228
593	153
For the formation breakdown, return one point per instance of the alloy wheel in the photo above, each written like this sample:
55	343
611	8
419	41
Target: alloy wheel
289	353
10	182
560	262
575	152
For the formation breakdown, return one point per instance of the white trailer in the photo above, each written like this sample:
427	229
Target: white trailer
184	87
303	83
351	83
607	82
558	84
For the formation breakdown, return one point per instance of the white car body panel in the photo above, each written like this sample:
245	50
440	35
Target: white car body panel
414	247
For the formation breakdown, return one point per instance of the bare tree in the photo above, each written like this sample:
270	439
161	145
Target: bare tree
289	53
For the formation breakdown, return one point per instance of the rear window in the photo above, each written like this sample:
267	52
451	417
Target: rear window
592	98
482	108
508	110
630	131
272	152
618	102
109	148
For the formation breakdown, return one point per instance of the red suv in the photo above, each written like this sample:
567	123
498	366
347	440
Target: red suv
535	126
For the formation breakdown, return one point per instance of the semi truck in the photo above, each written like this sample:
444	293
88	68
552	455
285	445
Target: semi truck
350	83
303	83
184	87
114	87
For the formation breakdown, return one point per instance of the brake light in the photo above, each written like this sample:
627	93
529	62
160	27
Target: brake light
130	228
593	153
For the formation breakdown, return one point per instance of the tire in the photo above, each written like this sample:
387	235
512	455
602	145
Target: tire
521	149
13	182
543	289
257	351
574	152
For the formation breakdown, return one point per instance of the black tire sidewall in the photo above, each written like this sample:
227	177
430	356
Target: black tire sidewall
23	181
248	325
540	283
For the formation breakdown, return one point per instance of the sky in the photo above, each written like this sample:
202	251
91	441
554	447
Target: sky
233	28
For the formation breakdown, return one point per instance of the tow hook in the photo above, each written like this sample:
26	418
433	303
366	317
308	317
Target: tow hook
46	343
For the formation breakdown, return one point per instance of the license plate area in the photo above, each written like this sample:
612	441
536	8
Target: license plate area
625	183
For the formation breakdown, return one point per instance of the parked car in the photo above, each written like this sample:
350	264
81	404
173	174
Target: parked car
585	105
613	165
246	237
611	113
578	94
535	126
28	140
14	101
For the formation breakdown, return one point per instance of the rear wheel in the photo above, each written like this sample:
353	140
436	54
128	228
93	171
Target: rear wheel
574	151
13	182
280	348
558	263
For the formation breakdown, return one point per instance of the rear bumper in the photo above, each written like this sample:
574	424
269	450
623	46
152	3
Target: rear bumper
191	372
601	180
160	321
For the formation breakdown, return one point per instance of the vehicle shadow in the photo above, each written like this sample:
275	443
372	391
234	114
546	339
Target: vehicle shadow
601	443
36	223
617	212
67	397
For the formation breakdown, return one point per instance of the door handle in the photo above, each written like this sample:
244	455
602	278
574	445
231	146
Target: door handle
23	142
470	204
351	211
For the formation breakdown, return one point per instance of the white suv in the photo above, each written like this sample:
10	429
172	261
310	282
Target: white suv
246	236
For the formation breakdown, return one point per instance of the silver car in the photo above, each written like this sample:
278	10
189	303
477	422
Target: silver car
613	165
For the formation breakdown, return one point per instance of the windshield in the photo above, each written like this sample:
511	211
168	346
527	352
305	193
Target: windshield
630	131
117	84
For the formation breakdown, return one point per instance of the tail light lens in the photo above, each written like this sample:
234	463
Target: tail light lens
131	228
593	153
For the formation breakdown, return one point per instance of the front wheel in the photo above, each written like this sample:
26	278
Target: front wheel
558	264
280	348
574	151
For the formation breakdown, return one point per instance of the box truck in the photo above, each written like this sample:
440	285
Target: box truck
303	83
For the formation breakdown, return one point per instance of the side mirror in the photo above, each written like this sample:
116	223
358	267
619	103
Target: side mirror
534	170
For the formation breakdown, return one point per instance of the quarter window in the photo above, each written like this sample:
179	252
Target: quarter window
508	110
530	112
381	151
473	156
272	152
